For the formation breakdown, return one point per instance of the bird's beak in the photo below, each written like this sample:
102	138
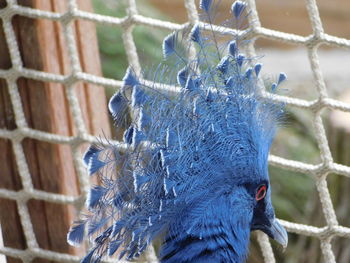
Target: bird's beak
277	232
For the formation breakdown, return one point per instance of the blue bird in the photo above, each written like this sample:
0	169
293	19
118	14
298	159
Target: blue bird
194	172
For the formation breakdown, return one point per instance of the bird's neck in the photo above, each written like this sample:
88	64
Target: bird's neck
219	237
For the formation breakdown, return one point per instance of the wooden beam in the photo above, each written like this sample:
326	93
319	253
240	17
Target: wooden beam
43	47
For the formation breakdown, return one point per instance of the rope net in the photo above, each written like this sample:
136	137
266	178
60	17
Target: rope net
318	171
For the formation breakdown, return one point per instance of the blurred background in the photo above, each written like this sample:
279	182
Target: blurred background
295	196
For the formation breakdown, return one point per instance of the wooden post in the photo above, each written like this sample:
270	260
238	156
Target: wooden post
43	47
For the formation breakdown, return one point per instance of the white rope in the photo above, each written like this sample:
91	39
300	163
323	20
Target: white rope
318	171
266	248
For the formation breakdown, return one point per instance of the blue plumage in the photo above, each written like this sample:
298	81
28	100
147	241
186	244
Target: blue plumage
118	104
257	69
77	232
169	45
238	8
130	79
232	48
194	172
94	198
206	5
282	77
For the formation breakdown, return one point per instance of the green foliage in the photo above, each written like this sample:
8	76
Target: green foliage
114	61
292	190
112	51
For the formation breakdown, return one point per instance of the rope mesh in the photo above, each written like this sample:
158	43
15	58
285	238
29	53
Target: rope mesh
319	171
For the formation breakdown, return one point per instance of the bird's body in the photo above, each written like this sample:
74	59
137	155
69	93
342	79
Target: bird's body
220	236
194	172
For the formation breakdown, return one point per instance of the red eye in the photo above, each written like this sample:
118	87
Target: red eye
260	193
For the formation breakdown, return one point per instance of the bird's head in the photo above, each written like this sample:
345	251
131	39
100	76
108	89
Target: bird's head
264	218
247	181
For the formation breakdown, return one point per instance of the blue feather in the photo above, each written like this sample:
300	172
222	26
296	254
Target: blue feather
257	69
210	96
139	180
205	5
113	247
196	34
168	185
88	257
232	48
137	137
238	8
230	82
117	227
197	108
138	97
117	104
282	77
129	134
192	84
169	45
182	76
240	59
224	65
91	152
122	254
95	195
76	233
248	73
103	236
165	158
118	200
130	78
143	120
95	164
273	87
170	138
